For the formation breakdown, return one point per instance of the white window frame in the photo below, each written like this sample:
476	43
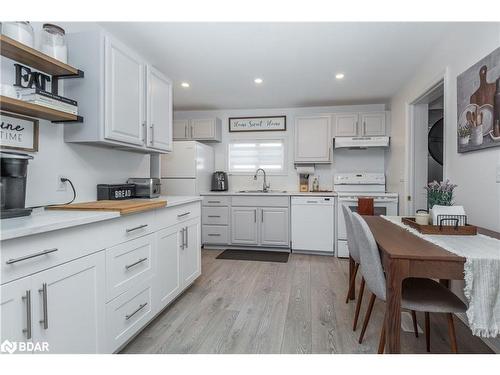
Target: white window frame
269	172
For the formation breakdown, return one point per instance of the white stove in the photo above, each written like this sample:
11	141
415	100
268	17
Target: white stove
351	186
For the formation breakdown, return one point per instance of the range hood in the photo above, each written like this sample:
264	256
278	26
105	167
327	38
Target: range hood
360	142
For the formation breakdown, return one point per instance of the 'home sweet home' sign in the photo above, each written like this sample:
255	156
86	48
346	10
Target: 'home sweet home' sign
18	132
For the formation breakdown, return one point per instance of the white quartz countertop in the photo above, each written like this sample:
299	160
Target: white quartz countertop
276	192
41	220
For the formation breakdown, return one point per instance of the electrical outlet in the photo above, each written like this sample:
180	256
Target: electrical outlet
61	186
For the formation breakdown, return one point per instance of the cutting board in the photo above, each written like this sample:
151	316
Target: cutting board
128	206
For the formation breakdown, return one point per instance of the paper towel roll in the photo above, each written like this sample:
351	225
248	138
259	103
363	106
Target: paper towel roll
306	170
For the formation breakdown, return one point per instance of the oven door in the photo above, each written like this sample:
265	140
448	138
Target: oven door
380	207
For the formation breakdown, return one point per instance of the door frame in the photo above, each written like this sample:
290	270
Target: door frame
412	119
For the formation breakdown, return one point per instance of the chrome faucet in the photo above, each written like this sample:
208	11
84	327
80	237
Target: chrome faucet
265	185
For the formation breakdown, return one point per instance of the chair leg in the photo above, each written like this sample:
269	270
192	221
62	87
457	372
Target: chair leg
414	318
352	282
451	332
381	342
367	317
427	332
358	304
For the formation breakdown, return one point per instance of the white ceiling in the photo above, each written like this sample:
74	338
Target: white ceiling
297	61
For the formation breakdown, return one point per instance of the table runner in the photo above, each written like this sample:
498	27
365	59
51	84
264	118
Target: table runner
481	274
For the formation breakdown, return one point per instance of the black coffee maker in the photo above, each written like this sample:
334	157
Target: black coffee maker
14	169
219	181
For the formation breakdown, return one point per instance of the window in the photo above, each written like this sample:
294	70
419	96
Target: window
246	156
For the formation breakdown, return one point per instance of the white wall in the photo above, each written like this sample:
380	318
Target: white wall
86	166
474	172
343	160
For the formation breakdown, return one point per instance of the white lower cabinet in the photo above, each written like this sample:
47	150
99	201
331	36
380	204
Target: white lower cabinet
16	311
190	259
244	229
167	284
69	306
274	227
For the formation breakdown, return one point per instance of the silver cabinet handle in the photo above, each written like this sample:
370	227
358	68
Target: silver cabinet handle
20	259
191	128
261	216
357	128
214	235
143	131
311	202
45	320
184	214
187	236
141	306
127	267
254	216
213	201
213	215
185	131
27	330
182	236
364	128
152	127
128	230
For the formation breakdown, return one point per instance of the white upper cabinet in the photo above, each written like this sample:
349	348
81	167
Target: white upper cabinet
205	129
124	99
125	102
373	124
159	111
346	125
313	139
365	124
181	130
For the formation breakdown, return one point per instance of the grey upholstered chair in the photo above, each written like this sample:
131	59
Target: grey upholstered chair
418	294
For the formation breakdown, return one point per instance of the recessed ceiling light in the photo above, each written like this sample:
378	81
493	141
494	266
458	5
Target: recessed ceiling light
339	75
258	81
185	84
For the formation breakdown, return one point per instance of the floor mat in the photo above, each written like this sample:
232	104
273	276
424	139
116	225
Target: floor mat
253	255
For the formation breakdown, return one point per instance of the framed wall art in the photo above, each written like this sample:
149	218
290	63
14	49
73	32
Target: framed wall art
18	132
257	124
478	104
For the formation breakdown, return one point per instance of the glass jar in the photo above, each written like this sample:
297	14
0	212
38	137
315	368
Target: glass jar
22	31
53	42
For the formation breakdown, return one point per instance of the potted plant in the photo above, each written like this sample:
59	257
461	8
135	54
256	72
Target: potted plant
464	133
440	193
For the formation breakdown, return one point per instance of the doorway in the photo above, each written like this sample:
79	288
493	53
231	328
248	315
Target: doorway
427	144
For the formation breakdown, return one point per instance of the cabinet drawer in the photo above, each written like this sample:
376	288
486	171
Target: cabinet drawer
216	200
215	215
128	264
215	234
128	227
260	201
127	314
166	217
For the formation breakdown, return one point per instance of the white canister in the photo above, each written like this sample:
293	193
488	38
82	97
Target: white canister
477	135
19	31
422	218
53	42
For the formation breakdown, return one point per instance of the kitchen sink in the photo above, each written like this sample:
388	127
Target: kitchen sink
262	191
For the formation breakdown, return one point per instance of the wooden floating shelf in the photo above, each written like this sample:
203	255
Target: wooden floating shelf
14	50
34	110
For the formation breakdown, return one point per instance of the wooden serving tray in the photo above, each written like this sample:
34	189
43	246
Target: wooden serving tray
464	230
127	206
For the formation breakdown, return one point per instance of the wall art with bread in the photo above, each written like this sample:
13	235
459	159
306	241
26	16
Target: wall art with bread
478	103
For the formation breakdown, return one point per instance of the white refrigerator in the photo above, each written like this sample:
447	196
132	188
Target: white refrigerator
187	170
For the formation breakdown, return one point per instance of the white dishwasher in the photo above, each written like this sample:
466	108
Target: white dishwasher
313	224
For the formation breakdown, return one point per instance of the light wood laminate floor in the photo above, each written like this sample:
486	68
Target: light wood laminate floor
262	307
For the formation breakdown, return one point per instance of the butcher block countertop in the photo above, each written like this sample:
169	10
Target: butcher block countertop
124	207
44	220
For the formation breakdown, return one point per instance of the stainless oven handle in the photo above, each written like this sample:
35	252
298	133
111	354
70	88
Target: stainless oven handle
20	259
128	230
141	306
128	266
27	330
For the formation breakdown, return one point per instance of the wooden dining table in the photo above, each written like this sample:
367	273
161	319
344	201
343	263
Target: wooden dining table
405	255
